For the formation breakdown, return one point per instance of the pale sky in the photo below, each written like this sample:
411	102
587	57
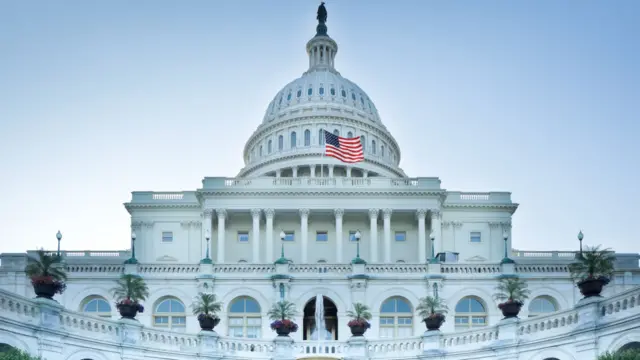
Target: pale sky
101	98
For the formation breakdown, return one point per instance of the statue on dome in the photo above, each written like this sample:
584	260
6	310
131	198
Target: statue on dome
322	13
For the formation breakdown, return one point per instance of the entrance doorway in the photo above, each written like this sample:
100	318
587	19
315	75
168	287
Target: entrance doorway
330	317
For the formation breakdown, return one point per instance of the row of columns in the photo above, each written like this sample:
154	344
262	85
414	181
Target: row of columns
294	171
421	215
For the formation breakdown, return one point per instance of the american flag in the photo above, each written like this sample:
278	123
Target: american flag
347	150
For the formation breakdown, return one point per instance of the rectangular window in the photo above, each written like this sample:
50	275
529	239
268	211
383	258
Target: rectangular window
288	236
243	236
167	236
401	236
322	236
352	235
386	321
475	237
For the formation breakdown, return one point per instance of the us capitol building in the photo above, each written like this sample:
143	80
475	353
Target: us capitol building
292	202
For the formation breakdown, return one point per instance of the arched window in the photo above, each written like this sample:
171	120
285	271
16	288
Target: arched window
97	305
336	132
299	93
344	93
269	147
244	318
353	96
363	141
541	305
310	91
470	313
382	150
321	90
349	134
396	318
373	146
294	141
260	150
289	96
321	137
333	91
280	142
307	137
170	312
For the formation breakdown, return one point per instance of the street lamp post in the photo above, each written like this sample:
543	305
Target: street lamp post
506	259
133	259
357	259
433	249
282	260
59	237
207	259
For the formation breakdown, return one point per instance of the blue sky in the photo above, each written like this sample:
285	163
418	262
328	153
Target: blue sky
101	98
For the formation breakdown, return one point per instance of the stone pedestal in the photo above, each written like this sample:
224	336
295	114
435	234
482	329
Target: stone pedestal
431	345
358	269
585	340
508	268
357	348
131	269
51	344
209	344
284	349
505	347
130	333
282	269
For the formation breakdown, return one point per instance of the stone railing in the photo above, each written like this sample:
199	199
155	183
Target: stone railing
29	317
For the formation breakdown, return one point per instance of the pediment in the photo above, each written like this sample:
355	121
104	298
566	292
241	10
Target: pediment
476	259
166	258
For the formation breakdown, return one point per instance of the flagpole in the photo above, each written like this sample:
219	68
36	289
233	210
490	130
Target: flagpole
322	156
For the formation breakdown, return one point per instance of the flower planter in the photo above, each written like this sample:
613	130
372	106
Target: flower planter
207	323
510	309
358	330
592	287
128	311
284	327
283	331
45	290
434	322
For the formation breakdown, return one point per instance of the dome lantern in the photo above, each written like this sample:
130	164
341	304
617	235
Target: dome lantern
321	49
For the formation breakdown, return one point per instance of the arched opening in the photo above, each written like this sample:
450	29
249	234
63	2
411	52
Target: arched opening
470	313
542	305
630	346
330	318
396	318
96	305
245	319
5	347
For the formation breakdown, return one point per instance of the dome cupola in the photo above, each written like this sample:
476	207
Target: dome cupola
289	142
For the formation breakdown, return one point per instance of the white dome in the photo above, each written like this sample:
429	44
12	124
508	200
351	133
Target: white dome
322	87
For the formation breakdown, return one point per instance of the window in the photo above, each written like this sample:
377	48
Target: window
396	318
475	237
289	96
373	146
470	313
353	96
310	91
321	90
244	318
541	305
333	91
269	147
349	134
322	261
307	137
260	150
96	305
243	236
344	93
363	142
299	93
289	236
167	236
280	102
293	139
382	151
170	312
401	236
336	132
362	100
321	137
352	235
280	142
322	236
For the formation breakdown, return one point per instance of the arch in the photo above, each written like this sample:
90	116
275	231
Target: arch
321	137
165	292
169	312
401	292
260	151
620	342
244	317
363	141
307	137
382	150
470	312
349	134
560	300
490	306
373	146
330	311
280	142
83	354
634	345
541	305
336	132
13	342
396	318
552	353
244	291
96	305
269	147
78	299
294	140
337	299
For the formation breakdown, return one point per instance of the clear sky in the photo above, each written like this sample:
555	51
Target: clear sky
101	98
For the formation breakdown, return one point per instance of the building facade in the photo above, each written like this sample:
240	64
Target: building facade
289	201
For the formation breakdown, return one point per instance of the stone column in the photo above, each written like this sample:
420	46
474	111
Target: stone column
222	215
330	171
269	213
348	171
313	171
373	223
207	215
422	236
255	213
295	171
304	233
436	228
386	216
339	213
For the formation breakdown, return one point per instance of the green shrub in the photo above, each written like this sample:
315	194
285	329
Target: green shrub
15	354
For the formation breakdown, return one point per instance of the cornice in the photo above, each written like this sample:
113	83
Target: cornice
318	193
161	205
511	207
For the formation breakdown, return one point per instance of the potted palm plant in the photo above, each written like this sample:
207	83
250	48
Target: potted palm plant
47	275
359	319
281	314
206	307
512	291
129	291
592	270
432	310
